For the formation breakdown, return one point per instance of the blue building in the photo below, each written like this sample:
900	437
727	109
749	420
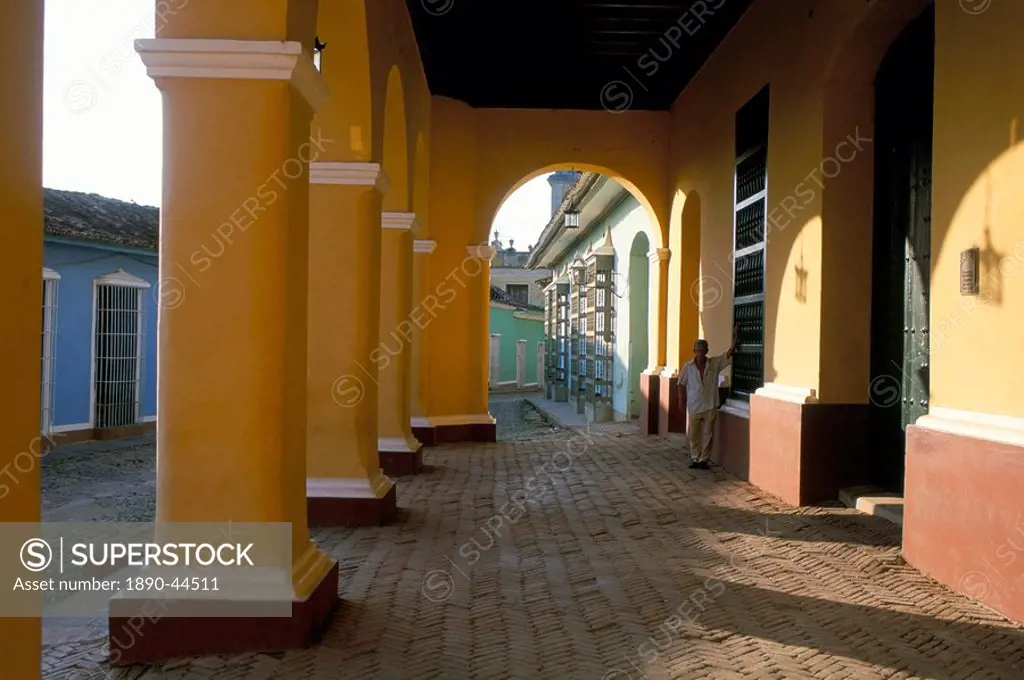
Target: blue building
99	317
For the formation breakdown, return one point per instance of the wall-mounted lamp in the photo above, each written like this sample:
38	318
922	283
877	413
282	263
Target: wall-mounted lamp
318	53
572	219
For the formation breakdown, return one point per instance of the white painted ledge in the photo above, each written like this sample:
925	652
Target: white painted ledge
235	60
446	421
790	393
988	426
399	445
376	486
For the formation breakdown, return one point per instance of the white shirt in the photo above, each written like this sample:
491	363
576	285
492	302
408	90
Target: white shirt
702	393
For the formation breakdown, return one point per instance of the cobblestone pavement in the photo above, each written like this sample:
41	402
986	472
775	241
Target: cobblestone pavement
621	563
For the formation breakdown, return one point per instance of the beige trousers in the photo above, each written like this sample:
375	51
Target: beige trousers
700	428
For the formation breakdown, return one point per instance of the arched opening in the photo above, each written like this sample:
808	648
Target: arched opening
589	284
395	162
637	295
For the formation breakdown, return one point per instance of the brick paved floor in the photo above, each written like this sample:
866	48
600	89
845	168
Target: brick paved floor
622	563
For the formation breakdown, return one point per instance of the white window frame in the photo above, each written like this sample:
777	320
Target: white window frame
48	358
124	279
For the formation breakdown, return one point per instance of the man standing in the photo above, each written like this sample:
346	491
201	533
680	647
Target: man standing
698	386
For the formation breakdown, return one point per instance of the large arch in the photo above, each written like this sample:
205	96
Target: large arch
846	206
654	231
395	151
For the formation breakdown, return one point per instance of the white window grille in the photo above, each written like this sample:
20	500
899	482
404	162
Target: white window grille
118	348
48	350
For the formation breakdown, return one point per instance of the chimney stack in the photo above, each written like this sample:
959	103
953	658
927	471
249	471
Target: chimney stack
560	183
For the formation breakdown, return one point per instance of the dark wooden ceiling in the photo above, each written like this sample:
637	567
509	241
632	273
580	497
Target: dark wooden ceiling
574	54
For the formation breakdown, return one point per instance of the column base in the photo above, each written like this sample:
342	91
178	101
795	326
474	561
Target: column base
671	411
400	457
801	451
961	516
338	502
455	429
138	639
650	394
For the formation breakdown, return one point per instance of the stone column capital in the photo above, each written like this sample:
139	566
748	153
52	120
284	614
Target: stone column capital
353	174
398	220
234	59
424	246
659	255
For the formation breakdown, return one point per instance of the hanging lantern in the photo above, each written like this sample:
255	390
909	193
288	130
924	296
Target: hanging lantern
318	54
572	219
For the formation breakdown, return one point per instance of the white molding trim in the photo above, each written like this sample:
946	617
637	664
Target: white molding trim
659	255
653	370
443	421
147	419
375	486
236	60
482	252
796	395
73	427
424	246
398	220
669	372
419	421
502	305
989	426
357	174
50	275
529	316
121	278
399	444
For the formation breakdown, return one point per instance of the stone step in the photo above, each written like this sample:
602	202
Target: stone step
873	500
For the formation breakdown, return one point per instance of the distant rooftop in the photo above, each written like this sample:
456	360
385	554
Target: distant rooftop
91	217
500	296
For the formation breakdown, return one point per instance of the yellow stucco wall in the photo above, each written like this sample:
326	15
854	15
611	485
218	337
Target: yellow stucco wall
978	201
21	203
820	227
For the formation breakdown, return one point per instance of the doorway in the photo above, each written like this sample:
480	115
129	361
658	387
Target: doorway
901	257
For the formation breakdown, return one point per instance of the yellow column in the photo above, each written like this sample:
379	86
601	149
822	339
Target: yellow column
420	386
21	238
345	484
400	452
232	327
479	291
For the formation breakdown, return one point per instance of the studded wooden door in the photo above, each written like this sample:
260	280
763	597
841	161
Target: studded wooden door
901	248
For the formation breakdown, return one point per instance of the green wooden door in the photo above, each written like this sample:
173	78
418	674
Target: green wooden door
901	248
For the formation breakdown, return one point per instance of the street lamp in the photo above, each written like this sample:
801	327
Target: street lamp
318	53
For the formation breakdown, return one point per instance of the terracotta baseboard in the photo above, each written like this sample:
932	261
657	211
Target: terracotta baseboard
731	445
138	639
453	434
671	411
425	435
351	512
399	463
650	395
962	521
